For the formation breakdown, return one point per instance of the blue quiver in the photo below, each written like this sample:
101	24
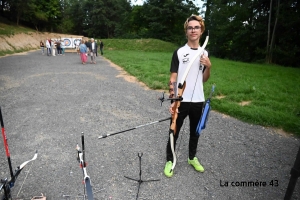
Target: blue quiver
204	117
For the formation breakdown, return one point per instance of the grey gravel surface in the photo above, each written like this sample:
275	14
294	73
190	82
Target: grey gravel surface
48	101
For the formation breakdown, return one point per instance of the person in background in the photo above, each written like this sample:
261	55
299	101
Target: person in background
93	51
77	43
97	49
83	52
193	96
101	47
53	43
58	47
62	46
48	46
42	45
88	45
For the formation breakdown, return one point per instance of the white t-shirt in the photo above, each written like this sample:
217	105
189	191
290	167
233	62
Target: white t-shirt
193	91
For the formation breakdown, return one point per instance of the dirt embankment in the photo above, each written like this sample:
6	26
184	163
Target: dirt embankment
27	41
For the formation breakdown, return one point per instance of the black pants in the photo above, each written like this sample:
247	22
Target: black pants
194	111
58	50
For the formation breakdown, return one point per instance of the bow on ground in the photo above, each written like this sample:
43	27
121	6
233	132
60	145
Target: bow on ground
7	185
86	178
180	90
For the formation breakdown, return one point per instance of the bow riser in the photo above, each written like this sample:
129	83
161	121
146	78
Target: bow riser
175	108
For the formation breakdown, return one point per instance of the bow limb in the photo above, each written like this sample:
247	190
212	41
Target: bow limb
19	169
172	134
173	127
26	162
173	151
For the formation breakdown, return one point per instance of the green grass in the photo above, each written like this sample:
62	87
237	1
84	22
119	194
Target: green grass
139	44
8	28
272	91
9	52
148	67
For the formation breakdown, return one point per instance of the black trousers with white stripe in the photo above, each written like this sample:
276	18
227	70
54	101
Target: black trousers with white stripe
194	111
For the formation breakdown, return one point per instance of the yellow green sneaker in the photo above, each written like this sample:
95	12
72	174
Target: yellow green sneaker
168	168
195	163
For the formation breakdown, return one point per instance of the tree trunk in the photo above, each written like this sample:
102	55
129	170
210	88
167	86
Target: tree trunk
273	34
269	31
18	19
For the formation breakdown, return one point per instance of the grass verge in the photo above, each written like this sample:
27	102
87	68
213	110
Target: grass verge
8	28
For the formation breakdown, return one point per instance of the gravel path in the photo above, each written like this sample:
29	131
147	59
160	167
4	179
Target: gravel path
48	101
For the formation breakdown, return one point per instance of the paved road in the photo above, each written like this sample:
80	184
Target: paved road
48	101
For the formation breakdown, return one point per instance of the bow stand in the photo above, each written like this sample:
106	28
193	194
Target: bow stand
6	184
140	181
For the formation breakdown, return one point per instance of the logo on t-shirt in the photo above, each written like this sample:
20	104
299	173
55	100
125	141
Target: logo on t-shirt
185	58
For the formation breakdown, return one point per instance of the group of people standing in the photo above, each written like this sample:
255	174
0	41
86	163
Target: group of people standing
90	48
51	45
84	48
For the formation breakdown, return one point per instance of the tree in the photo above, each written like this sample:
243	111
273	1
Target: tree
103	17
17	7
286	49
74	17
53	11
4	7
238	30
164	19
36	13
269	33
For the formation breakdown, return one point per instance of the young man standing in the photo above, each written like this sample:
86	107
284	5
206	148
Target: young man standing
193	95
